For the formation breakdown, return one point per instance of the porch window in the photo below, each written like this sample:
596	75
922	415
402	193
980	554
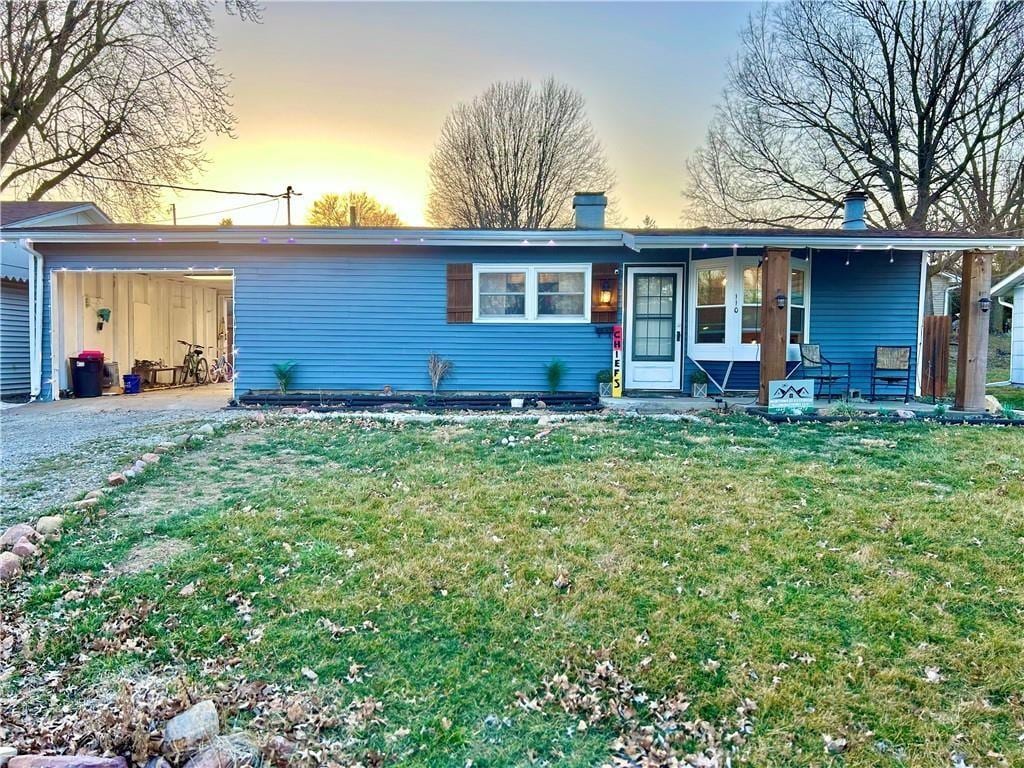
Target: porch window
525	293
710	305
797	305
750	332
725	307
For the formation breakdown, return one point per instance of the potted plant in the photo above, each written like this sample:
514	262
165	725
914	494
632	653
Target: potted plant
604	383
699	384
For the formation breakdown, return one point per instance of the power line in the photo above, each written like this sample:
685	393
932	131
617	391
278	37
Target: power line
223	210
178	187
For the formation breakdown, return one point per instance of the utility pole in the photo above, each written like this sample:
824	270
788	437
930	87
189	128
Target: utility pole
288	200
174	214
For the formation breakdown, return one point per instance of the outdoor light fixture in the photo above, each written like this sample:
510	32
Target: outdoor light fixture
605	296
984	303
780	300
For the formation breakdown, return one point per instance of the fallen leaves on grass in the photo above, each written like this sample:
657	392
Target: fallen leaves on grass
651	732
127	716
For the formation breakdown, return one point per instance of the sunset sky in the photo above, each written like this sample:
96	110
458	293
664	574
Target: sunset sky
333	96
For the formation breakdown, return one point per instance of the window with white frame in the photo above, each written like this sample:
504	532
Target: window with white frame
524	293
710	304
798	305
750	316
725	307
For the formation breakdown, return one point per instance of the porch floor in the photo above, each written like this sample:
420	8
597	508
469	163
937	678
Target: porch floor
678	404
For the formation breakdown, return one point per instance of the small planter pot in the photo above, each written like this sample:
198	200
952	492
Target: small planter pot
604	389
699	390
517	402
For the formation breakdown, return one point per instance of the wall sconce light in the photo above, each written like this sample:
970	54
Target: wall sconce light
780	300
604	296
984	303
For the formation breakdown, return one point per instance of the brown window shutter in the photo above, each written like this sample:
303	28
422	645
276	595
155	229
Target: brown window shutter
604	279
460	293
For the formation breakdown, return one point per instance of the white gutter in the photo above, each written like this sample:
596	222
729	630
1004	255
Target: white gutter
327	236
839	242
35	317
509	238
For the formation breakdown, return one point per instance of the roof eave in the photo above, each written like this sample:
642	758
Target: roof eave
1008	283
838	242
508	238
306	236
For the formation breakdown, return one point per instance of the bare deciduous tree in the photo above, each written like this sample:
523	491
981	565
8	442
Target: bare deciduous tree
919	103
512	158
333	211
118	90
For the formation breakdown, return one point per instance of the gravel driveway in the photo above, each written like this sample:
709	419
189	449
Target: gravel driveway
52	452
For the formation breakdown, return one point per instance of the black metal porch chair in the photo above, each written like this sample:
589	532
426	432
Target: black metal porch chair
824	372
891	366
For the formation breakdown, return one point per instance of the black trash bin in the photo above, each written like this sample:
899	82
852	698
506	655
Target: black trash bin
87	374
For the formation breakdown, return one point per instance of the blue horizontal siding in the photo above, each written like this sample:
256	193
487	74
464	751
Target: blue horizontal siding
363	318
14	353
865	303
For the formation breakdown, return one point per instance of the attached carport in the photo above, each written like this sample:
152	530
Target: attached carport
138	319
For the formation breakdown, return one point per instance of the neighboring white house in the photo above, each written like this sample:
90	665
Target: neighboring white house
940	286
1010	291
19	286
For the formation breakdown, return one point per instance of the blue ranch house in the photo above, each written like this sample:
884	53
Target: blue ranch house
362	308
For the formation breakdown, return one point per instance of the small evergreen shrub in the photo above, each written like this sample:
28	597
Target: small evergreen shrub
554	372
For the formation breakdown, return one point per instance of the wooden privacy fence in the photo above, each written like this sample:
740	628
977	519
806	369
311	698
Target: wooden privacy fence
935	355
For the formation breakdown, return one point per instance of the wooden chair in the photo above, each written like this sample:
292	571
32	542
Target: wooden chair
891	366
824	372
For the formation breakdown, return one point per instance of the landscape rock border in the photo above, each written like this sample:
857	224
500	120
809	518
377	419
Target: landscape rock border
22	543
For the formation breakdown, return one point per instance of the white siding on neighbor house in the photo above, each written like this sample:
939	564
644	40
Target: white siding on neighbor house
14	357
938	285
1017	337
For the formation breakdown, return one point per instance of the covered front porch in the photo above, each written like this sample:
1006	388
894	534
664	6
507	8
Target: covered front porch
735	317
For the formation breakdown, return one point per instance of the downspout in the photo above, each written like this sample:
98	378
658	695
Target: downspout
35	318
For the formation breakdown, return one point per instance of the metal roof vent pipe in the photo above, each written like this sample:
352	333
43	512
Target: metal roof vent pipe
854	203
588	208
353	216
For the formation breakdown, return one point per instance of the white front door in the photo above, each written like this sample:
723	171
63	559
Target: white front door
654	327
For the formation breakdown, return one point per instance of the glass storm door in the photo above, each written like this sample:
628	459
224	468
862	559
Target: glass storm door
654	328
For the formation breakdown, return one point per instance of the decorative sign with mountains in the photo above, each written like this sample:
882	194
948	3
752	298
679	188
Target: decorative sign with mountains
790	394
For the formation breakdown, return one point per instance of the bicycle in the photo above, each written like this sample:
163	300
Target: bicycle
221	370
194	365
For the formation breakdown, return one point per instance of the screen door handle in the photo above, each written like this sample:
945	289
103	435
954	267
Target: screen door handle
679	335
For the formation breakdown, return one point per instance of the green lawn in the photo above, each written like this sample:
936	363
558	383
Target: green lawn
859	581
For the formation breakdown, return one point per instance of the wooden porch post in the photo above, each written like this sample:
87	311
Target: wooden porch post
774	321
972	350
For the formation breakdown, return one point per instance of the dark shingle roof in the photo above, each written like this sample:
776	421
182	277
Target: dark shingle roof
14	211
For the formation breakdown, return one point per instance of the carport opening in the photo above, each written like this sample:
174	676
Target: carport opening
138	319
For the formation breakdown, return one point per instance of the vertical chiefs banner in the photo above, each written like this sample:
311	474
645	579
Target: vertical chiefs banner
617	361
